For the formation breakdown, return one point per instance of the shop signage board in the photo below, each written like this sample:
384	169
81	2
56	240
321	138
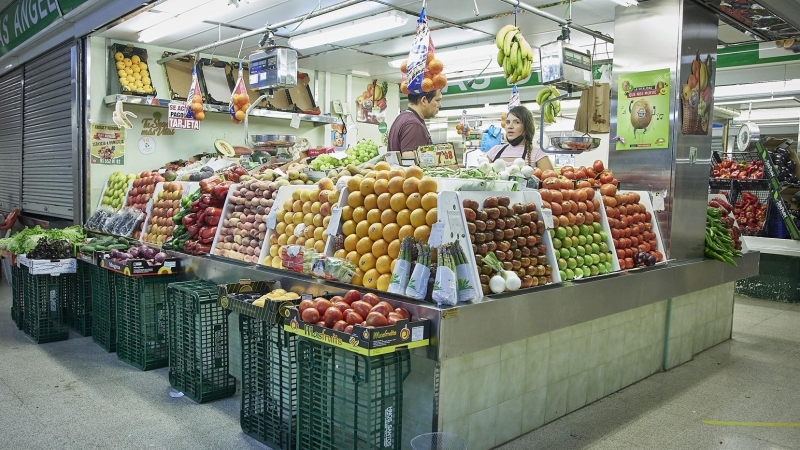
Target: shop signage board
67	6
107	144
23	19
643	110
177	120
436	155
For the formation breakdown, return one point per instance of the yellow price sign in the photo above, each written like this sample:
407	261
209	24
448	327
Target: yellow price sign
436	155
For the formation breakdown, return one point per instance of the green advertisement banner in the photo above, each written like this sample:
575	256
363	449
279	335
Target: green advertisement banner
643	110
68	5
24	19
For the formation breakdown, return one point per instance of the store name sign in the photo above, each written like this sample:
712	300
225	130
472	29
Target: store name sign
23	19
177	118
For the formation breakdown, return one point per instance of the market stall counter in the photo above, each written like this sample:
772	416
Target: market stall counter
525	359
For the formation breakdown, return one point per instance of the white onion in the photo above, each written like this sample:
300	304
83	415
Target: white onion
513	169
503	175
527	171
497	284
513	283
519	162
486	168
499	165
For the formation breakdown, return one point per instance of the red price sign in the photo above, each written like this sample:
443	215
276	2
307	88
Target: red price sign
436	155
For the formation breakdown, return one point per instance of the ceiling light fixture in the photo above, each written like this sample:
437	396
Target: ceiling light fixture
449	57
777	124
185	20
349	30
359	73
755	100
626	3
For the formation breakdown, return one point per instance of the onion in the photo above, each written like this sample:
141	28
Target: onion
160	257
497	284
134	252
486	168
519	162
499	165
503	175
513	283
527	171
513	169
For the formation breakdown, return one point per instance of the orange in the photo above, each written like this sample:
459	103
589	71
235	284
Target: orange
354	184
397	172
388	217
384	264
372	175
429	201
297	206
422	233
370	201
394	247
341	254
298	218
353	257
410	186
429	58
349	228
359	214
326	221
405	231
367	186
347	212
318	233
366	262
292	240
398	202
396	184
375	231
431	217
288	217
427	84
382	175
439	81
404	217
350	243
384	201
319	246
390	232
370	279
382	185
404	90
427	184
364	246
417	217
362	230
374	216
382	165
414	201
355	199
414	172
435	66
404	66
383	282
380	248
358	278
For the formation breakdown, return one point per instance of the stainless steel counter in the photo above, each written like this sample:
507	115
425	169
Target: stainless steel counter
508	318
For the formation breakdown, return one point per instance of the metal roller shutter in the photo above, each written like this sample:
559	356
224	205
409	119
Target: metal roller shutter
47	159
11	141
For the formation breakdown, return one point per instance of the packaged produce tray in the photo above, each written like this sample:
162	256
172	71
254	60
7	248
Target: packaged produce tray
135	267
128	52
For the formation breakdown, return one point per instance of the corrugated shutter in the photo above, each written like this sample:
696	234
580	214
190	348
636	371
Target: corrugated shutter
47	179
11	141
717	141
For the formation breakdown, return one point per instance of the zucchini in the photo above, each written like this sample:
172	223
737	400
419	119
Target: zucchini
118	247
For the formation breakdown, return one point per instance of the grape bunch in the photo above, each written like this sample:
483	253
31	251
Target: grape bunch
361	153
324	163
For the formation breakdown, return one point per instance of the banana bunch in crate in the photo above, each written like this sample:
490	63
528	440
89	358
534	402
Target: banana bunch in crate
551	110
515	55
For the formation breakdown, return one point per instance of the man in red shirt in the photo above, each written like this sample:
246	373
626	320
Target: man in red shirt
408	130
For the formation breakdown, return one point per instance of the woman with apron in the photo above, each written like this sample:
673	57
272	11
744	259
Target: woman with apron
520	130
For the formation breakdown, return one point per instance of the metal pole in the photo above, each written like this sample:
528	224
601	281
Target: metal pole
261	30
559	20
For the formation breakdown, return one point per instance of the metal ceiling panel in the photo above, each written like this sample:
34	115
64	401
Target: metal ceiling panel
447	37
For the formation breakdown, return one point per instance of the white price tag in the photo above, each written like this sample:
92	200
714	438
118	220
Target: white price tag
547	217
658	202
295	122
272	220
333	225
437	235
340	185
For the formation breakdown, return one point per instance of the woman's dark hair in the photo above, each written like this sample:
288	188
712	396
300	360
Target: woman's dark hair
414	99
528	127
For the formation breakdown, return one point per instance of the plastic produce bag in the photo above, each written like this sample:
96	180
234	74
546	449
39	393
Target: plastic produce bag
422	72
194	101
240	100
417	287
444	287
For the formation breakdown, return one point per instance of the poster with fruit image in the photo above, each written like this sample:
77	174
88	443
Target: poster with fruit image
696	109
643	110
107	144
371	104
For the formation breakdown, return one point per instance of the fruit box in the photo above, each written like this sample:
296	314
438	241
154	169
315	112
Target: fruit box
48	266
364	341
128	51
139	267
271	312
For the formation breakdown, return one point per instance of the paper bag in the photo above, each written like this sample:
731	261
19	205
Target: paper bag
594	112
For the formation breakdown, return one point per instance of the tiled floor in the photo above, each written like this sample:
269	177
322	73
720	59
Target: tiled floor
750	378
73	395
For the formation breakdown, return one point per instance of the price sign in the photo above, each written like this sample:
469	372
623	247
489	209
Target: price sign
176	118
436	155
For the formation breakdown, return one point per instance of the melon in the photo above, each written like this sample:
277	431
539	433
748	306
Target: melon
224	148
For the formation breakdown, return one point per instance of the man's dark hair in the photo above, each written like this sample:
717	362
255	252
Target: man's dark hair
414	99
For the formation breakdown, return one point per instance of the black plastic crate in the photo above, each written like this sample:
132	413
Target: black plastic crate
104	312
142	320
269	383
198	342
78	307
349	401
42	305
762	191
18	296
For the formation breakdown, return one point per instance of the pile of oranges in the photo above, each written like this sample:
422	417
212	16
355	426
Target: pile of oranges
197	107
434	78
378	212
241	102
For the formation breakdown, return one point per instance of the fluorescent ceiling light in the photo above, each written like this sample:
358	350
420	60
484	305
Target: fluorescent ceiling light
469	54
349	30
769	114
185	20
626	3
769	88
777	124
359	73
755	100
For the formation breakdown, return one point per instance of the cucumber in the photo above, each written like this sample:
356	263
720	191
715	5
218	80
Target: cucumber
118	247
88	249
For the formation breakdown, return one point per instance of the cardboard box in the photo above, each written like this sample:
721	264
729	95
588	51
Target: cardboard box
135	267
364	341
48	266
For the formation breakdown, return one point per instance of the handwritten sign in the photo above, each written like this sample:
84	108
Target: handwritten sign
177	118
436	155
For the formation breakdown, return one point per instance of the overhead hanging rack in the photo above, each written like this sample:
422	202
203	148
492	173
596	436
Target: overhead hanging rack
559	20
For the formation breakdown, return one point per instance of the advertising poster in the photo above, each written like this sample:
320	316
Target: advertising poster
371	104
107	144
696	109
643	110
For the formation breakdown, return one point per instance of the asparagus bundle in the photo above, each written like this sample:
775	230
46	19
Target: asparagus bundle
444	288
402	268
418	283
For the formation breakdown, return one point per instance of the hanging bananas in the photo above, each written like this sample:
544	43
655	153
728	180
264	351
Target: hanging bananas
120	116
515	55
551	110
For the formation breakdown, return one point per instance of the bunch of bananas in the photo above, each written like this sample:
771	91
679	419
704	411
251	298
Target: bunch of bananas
552	109
515	55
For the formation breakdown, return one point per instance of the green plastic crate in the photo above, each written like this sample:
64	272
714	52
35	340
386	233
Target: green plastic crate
142	320
18	295
104	313
198	341
78	307
269	383
349	401
44	296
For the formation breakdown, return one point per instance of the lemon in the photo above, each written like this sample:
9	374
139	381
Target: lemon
135	59
118	56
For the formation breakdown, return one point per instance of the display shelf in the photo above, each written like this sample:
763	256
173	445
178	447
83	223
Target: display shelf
284	192
644	199
771	246
188	188
111	100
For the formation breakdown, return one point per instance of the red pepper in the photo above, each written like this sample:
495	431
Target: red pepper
208	232
742	175
211	220
189	219
200	216
189	246
221	190
194	229
202	248
207	185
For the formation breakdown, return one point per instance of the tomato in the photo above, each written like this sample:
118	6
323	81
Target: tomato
580	174
609	190
606	177
598	166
